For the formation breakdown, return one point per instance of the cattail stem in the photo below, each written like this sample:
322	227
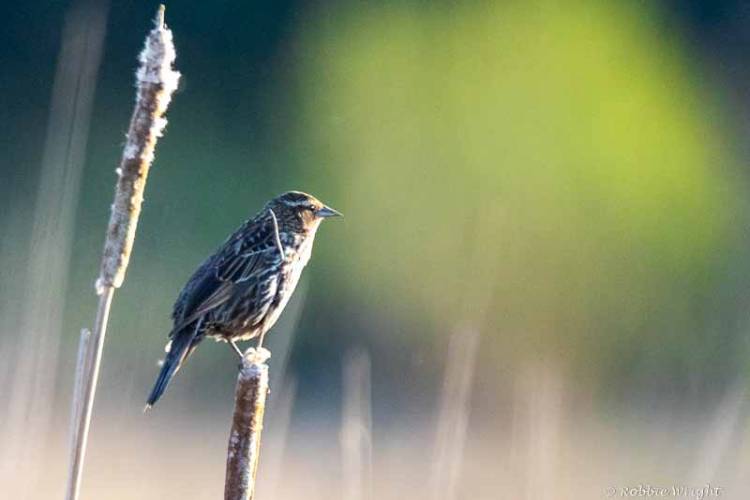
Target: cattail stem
243	452
81	363
87	373
156	82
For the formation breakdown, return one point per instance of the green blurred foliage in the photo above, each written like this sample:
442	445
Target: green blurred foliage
553	174
559	175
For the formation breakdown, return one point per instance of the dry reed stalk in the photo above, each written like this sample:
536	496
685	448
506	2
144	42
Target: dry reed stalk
32	349
156	82
81	367
356	427
536	430
243	451
722	434
453	419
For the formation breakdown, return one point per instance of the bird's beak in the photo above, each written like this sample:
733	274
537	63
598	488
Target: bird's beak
328	212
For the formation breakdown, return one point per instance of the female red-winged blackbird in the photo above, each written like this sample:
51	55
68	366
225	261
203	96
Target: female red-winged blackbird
239	292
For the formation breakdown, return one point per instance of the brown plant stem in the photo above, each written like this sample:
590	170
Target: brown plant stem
243	451
156	81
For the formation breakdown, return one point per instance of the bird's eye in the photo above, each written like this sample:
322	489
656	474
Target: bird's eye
311	208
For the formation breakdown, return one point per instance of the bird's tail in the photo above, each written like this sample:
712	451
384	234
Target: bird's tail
181	346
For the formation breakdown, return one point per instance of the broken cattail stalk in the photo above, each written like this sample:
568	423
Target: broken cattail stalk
156	81
76	410
243	452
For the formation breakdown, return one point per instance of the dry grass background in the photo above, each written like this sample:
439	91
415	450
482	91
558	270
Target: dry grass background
548	452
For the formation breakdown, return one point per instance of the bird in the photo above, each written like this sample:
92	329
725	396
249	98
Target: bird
240	291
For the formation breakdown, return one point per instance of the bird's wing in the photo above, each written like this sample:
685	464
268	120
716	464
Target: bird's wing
241	263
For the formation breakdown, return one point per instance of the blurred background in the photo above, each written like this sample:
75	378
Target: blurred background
540	289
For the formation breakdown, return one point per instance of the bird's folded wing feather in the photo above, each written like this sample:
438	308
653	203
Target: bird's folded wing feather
243	259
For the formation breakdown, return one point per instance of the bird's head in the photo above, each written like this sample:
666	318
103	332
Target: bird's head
298	209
